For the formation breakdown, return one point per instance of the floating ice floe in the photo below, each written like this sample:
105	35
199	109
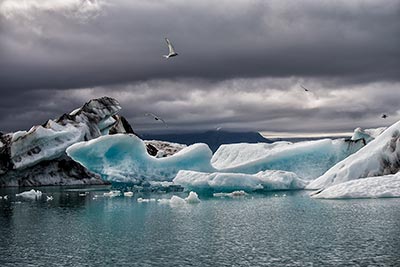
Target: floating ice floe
141	200
378	158
373	187
32	194
128	194
228	182
192	198
239	193
112	193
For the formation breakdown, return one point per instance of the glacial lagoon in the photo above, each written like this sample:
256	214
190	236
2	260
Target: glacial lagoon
281	228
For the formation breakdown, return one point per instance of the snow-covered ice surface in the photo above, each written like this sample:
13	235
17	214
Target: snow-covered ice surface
32	194
308	159
228	182
379	157
123	158
372	187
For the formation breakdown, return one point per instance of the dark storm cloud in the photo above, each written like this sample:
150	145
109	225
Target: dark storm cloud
240	63
123	41
238	104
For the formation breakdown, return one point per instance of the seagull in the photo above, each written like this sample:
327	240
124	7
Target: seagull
157	118
49	198
384	116
171	50
305	89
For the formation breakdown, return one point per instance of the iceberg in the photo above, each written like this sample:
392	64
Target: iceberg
123	158
228	182
37	157
373	187
32	194
378	158
308	159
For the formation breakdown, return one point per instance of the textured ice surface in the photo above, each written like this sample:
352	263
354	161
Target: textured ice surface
379	157
49	141
308	159
123	158
228	182
367	134
372	187
165	149
32	194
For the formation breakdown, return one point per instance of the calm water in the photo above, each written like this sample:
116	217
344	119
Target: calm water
258	230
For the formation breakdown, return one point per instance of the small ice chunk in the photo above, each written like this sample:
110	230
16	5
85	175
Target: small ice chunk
32	194
175	200
128	194
141	200
192	198
112	193
239	193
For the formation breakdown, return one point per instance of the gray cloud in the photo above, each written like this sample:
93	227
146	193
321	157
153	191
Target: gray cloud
240	62
124	42
262	104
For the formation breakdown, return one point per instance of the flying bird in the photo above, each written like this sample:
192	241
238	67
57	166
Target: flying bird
157	118
171	50
384	116
305	89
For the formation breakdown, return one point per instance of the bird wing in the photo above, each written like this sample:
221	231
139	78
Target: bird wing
151	114
170	46
304	88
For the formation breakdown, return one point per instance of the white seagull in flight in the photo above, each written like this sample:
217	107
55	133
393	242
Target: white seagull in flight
171	50
157	118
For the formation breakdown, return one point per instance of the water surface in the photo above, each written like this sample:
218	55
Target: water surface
257	230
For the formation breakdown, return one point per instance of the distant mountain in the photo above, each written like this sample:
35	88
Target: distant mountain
212	138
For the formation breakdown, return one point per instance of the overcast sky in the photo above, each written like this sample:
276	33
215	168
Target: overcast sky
240	63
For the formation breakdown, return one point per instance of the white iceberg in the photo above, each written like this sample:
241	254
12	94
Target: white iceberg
228	182
373	187
379	157
32	194
124	158
308	159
